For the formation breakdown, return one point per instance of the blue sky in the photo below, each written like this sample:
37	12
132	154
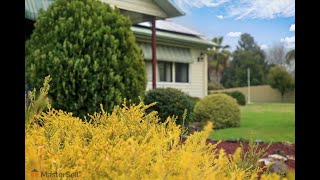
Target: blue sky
268	21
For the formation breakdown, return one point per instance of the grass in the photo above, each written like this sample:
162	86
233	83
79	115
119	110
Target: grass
270	122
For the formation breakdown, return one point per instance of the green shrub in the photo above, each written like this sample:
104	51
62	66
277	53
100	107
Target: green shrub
279	78
222	109
239	96
89	51
170	102
196	99
215	86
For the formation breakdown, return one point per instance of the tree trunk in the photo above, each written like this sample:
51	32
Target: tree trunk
212	76
219	77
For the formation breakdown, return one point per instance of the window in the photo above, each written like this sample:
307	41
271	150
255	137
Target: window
182	72
165	71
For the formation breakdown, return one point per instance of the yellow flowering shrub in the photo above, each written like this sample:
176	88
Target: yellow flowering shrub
124	144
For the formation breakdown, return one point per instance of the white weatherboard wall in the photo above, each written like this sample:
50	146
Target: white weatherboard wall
197	86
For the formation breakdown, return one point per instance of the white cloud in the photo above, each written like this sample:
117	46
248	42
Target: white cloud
264	46
234	34
289	42
220	17
265	9
186	4
293	27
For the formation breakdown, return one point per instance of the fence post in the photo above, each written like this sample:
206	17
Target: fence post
249	86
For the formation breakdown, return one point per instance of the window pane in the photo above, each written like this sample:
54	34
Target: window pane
165	71
182	72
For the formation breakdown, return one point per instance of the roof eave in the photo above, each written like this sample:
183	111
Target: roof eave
171	9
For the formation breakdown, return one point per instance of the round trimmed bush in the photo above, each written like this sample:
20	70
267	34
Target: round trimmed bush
221	109
89	51
170	102
239	96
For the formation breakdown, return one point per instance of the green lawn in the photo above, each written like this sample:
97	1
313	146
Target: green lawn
270	122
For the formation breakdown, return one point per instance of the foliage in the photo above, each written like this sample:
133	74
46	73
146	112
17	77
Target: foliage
170	102
218	57
90	52
291	55
215	86
247	43
248	55
249	159
239	96
280	79
236	74
196	99
221	109
126	144
35	104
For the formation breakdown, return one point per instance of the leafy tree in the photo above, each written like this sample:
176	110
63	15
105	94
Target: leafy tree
280	79
247	55
89	51
247	43
218	58
236	74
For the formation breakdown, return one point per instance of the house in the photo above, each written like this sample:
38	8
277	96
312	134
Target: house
181	58
177	53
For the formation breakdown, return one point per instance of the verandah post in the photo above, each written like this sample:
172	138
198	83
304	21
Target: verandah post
154	60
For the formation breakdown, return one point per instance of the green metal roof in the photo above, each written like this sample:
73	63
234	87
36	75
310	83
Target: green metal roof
32	8
168	25
167	53
143	33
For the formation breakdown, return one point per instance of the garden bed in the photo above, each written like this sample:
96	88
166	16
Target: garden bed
275	148
283	148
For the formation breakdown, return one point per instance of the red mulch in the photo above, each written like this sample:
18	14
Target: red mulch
287	149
